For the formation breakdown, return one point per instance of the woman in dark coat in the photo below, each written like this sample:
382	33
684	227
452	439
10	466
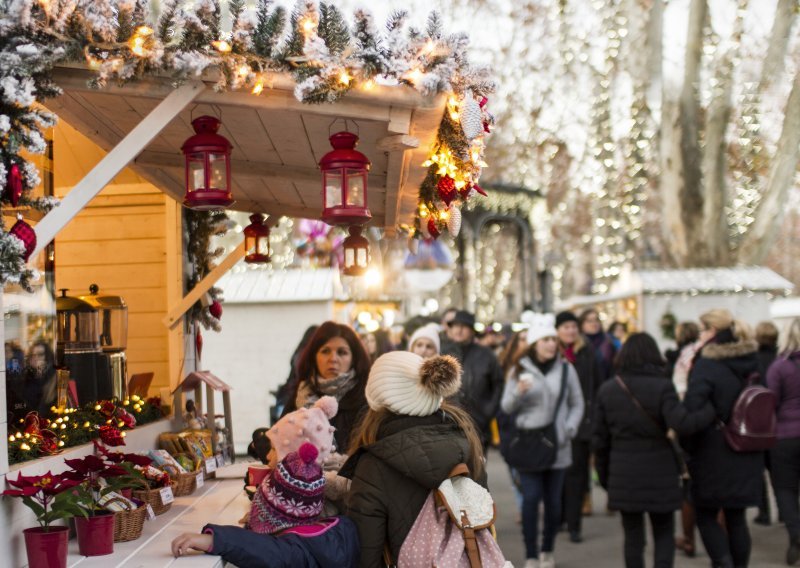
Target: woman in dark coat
633	457
407	444
722	480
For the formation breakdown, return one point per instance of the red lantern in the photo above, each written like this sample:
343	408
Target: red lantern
208	166
344	182
256	241
356	253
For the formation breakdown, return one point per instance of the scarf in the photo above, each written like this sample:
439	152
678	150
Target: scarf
310	391
569	353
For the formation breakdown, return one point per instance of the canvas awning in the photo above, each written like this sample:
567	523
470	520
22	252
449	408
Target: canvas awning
277	140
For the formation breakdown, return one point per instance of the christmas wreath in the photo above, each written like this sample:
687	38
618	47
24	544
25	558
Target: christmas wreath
667	323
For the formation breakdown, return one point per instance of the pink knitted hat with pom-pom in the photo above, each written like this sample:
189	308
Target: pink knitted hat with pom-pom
291	495
306	425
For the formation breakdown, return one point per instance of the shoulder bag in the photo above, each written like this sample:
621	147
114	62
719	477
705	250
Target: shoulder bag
533	450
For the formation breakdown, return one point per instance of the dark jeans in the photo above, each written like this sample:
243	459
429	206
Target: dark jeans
576	484
537	488
724	544
785	462
663	525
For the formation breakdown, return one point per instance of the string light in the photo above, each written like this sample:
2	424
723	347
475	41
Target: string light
222	46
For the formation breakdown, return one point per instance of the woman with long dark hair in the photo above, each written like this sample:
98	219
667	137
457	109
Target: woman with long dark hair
635	461
408	442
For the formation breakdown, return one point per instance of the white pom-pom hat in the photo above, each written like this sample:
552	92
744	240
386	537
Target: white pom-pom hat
539	326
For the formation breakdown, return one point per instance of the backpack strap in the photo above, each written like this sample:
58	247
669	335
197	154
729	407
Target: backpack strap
470	543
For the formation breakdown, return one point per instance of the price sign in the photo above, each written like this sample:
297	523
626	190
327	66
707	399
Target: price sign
220	461
150	513
200	480
166	495
211	465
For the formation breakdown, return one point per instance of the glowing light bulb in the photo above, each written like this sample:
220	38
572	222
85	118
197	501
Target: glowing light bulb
344	78
308	25
222	46
258	88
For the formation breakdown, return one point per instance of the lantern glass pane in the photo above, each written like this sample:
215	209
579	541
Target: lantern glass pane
263	246
249	244
333	189
349	257
197	171
362	259
218	177
355	188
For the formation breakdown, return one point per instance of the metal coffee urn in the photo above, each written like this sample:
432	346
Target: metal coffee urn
78	345
113	317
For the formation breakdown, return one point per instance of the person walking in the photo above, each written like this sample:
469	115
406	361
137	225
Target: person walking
577	350
409	441
592	329
767	339
783	378
482	379
425	341
686	333
635	460
543	389
722	479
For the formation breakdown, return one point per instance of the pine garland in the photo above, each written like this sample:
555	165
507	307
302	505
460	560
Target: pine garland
326	56
200	227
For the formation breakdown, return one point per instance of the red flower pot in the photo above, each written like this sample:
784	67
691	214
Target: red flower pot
46	549
95	534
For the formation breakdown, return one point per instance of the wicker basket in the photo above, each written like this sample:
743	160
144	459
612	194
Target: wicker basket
128	524
182	483
153	498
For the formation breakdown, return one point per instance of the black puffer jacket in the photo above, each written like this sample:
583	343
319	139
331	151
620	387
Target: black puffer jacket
720	476
634	460
393	477
481	382
590	377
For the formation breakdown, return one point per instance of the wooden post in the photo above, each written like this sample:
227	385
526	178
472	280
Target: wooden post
210	421
177	415
113	163
226	403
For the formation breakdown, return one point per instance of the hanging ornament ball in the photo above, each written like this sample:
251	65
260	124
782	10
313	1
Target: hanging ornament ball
454	221
447	189
198	342
433	230
413	245
26	234
13	189
215	309
471	118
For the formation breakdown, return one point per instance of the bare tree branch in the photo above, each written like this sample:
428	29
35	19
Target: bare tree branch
785	15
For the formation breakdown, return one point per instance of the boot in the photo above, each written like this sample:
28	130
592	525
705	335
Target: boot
726	562
686	542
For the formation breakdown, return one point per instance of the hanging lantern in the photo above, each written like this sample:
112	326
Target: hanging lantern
256	241
208	166
356	253
344	182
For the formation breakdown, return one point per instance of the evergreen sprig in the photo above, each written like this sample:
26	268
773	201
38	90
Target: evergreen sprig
269	29
200	227
333	29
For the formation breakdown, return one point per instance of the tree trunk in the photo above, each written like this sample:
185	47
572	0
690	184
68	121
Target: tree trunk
772	207
785	15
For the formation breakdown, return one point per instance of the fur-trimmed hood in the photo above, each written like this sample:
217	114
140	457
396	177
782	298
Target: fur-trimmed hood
719	351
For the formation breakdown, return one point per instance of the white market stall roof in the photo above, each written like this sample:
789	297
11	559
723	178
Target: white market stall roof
275	286
707	280
277	140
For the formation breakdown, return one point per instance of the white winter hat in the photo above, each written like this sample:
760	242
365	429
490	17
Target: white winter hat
407	384
429	331
539	326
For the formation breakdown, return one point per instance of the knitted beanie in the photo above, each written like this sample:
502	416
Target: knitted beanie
291	495
406	384
539	327
429	331
564	317
305	425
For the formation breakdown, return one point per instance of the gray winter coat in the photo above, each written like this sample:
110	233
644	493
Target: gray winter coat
536	407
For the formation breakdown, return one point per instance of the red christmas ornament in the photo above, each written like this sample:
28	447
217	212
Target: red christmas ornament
48	443
465	191
483	102
13	189
198	342
26	234
110	436
479	189
215	309
433	230
447	189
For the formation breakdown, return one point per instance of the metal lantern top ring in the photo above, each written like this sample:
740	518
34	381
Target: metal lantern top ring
344	182
208	166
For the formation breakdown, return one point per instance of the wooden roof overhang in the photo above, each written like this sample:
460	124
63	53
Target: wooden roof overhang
277	140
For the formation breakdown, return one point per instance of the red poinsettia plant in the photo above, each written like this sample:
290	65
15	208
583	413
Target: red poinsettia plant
49	496
131	463
88	473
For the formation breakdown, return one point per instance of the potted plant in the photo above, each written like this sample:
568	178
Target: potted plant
48	496
131	463
96	529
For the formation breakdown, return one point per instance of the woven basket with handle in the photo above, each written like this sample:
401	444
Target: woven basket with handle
153	498
183	483
128	524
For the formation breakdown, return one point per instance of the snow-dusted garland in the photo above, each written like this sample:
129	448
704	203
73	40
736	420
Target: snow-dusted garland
327	57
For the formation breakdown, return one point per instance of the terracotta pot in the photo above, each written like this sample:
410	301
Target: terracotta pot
46	549
95	534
